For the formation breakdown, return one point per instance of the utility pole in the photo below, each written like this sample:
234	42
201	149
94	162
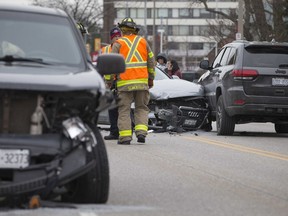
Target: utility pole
154	28
108	18
239	35
145	19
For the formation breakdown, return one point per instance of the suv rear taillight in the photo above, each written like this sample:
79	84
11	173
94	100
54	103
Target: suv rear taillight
245	74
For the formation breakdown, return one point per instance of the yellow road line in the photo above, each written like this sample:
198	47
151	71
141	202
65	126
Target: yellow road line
240	148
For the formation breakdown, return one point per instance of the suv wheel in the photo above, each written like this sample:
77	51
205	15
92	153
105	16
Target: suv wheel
92	187
225	124
281	128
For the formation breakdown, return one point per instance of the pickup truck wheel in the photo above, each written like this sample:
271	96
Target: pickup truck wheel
281	128
92	187
225	124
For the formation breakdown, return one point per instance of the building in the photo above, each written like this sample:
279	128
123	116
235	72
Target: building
181	28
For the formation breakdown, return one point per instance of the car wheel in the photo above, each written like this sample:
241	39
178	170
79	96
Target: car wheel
92	187
281	128
225	124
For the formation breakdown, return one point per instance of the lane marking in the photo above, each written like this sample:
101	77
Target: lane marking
241	148
87	214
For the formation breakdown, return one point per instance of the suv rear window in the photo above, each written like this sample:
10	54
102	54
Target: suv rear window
265	56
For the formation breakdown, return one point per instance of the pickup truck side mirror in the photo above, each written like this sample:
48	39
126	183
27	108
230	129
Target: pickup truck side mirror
110	63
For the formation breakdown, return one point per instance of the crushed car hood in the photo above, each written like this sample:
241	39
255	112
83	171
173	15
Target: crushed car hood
175	88
49	79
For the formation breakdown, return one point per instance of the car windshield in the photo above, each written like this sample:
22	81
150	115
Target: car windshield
32	36
160	75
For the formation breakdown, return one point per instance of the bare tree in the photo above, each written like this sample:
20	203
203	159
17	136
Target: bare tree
263	19
88	12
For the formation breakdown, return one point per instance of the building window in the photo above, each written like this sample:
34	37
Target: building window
196	13
140	13
121	13
196	46
183	46
183	30
204	31
173	45
175	13
133	12
196	30
175	30
149	13
149	30
184	12
162	13
206	14
169	31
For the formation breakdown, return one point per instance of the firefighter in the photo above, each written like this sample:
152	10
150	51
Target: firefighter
133	85
115	34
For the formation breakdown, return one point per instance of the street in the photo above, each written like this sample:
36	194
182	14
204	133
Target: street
194	173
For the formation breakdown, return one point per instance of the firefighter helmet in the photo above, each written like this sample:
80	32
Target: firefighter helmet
128	22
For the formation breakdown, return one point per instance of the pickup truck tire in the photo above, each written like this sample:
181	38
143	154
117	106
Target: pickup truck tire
92	187
225	124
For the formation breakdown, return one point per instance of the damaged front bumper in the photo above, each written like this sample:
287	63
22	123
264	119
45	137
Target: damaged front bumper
179	115
37	164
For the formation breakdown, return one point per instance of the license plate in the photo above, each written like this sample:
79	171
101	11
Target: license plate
279	82
190	122
14	158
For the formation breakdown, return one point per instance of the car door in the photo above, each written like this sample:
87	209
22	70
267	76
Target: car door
210	81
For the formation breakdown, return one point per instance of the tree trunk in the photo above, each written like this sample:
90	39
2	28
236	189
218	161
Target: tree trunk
108	19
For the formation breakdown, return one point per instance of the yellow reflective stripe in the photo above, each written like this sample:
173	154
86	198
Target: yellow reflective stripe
133	49
125	133
127	82
136	64
151	70
141	127
138	56
127	41
106	49
150	55
107	77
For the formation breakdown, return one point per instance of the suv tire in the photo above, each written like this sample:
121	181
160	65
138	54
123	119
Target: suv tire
92	187
281	128
225	124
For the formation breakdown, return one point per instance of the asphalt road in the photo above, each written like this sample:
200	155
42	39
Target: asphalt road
194	173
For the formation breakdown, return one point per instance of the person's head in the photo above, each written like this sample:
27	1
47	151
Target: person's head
128	26
82	29
115	33
161	58
175	66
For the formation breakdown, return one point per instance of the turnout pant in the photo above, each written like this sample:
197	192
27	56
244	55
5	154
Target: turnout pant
141	111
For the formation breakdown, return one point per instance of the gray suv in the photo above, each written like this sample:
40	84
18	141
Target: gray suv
248	82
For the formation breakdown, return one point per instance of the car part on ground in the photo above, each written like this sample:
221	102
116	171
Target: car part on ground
248	82
50	102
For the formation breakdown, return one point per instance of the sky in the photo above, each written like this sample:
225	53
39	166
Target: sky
19	2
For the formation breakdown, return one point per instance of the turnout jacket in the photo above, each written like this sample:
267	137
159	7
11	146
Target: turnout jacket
139	60
107	49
